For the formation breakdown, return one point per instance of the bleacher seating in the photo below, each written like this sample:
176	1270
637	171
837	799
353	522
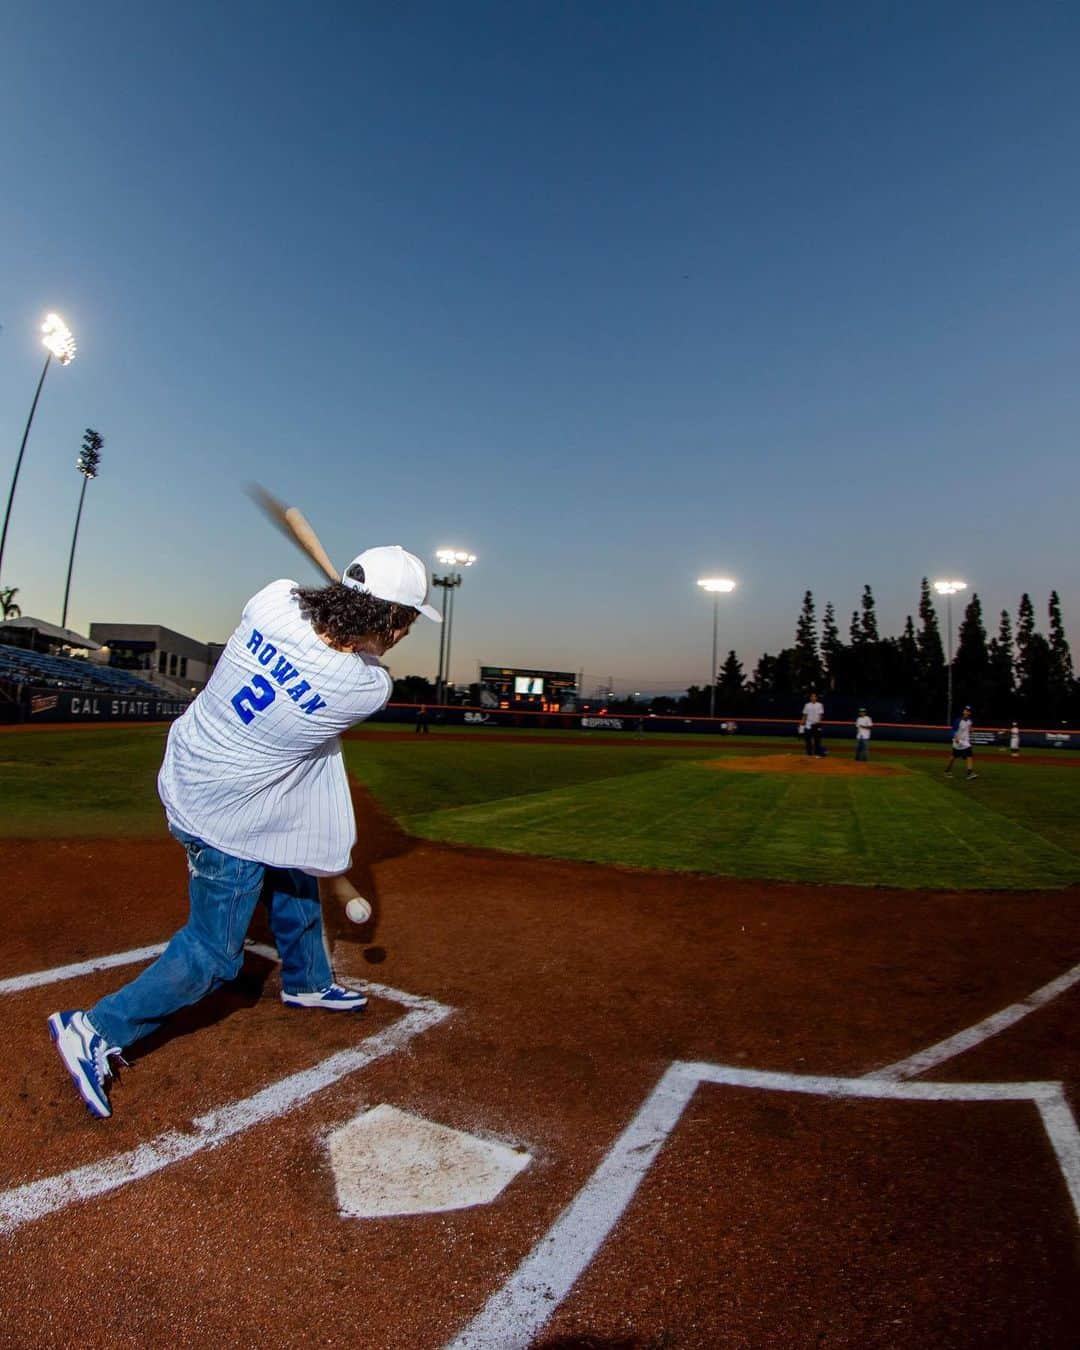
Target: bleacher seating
21	666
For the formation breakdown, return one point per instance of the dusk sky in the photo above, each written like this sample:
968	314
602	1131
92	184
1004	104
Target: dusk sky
613	295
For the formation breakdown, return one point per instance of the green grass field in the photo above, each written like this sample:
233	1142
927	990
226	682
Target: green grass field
644	803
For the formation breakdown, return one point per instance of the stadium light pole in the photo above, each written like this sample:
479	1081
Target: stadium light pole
948	589
57	340
87	465
449	557
715	586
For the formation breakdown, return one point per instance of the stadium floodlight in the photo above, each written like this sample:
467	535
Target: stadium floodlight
87	465
56	338
58	342
716	586
948	589
449	557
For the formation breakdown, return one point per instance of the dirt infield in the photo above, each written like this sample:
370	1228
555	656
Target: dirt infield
819	767
768	1218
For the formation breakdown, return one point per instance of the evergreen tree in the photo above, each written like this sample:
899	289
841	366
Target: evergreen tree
853	665
907	662
1033	662
930	691
806	668
786	678
1025	624
869	617
1033	682
832	650
763	680
414	689
871	658
731	687
1025	633
696	702
772	681
1001	675
971	666
1060	680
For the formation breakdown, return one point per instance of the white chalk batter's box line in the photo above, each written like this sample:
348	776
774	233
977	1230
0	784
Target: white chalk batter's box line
23	1204
515	1314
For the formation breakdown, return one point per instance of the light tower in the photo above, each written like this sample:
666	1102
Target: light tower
87	465
716	586
948	589
449	557
57	340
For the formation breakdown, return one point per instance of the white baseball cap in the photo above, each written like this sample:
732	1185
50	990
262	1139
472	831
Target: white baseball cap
390	573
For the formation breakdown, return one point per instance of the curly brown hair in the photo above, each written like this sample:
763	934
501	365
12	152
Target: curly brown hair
345	616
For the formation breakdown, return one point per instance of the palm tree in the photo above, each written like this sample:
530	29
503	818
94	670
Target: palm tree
8	608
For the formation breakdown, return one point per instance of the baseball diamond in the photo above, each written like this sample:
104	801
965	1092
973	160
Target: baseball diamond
755	1212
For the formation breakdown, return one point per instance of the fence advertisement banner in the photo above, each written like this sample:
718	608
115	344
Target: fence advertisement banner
69	705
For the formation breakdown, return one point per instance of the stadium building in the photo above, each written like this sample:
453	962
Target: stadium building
141	672
178	664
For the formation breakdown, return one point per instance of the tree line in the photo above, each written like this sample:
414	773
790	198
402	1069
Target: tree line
1019	673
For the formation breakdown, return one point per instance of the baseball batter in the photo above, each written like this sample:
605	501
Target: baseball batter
254	788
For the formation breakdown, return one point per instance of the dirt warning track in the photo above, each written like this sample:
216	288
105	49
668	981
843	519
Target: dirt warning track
751	1197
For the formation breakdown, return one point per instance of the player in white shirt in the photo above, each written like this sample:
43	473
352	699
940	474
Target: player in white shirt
864	724
1014	740
961	746
813	714
254	787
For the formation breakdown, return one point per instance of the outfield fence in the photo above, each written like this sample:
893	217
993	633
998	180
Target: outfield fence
651	724
64	705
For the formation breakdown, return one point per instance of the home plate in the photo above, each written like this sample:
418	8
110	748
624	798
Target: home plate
386	1161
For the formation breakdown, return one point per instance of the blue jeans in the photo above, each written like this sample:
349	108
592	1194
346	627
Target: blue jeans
862	747
209	950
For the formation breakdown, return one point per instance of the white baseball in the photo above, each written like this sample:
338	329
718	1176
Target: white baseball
358	909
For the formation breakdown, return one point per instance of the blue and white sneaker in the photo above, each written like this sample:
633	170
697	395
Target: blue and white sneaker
333	997
85	1056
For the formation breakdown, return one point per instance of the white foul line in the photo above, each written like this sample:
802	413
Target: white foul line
17	983
35	1199
514	1315
20	982
965	1040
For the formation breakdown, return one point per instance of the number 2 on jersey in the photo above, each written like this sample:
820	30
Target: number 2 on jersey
253	698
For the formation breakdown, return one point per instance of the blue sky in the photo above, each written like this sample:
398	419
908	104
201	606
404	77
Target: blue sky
614	295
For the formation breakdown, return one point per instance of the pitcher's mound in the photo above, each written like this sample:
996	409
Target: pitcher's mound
831	766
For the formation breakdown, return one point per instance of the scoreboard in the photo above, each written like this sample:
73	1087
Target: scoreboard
521	687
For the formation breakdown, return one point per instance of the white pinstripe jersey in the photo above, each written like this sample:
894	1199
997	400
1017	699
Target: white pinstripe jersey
254	766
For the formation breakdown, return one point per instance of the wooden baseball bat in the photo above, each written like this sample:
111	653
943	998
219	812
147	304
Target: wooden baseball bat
293	524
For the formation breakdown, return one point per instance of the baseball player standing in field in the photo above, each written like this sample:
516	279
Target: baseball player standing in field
254	788
813	714
961	746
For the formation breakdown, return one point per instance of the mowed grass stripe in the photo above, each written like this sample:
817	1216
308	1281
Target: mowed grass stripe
409	776
903	831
